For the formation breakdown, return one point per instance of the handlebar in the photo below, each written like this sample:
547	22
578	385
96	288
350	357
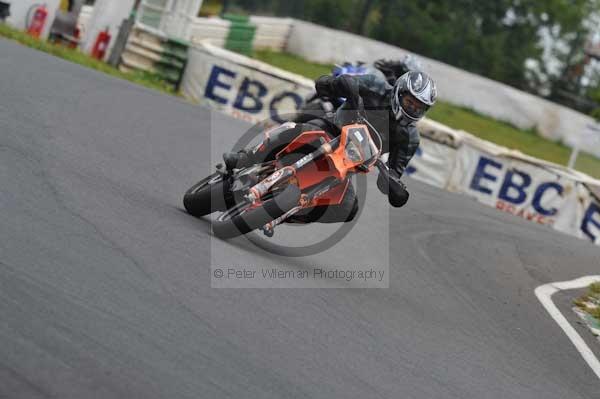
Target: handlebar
379	149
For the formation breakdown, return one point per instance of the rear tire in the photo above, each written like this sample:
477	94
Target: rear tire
206	196
240	220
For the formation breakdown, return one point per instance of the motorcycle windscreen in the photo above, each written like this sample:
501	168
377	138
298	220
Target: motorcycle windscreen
358	147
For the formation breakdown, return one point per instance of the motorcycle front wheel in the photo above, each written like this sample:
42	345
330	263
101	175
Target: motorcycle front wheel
206	196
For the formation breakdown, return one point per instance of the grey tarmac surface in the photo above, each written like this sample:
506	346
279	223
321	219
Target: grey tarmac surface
105	281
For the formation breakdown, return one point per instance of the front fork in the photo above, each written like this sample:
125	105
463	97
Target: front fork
305	200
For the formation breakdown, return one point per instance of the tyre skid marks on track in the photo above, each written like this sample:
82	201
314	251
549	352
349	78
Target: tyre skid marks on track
544	294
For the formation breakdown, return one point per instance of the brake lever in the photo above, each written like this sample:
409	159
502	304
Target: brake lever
383	168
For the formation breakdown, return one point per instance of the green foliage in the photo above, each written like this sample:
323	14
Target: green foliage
211	8
472	35
332	13
595	96
592	297
490	38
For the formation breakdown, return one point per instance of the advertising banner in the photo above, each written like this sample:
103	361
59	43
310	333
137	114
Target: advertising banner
241	87
589	228
433	163
528	191
524	190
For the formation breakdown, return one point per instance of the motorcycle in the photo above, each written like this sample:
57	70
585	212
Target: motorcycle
312	170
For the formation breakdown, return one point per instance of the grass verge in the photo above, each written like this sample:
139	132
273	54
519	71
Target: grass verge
590	302
143	78
526	141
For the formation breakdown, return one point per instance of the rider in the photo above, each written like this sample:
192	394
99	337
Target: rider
392	110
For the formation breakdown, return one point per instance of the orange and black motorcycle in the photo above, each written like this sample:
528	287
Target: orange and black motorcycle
265	195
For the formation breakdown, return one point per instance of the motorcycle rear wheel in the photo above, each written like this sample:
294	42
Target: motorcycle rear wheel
242	218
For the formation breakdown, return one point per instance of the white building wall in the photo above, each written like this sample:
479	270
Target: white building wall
19	9
107	14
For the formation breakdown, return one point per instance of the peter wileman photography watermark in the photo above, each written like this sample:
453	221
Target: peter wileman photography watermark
316	273
309	236
283	276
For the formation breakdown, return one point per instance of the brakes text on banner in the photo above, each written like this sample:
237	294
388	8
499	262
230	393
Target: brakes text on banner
243	88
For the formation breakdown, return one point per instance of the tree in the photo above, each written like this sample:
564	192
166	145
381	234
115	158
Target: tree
594	95
363	16
332	13
491	38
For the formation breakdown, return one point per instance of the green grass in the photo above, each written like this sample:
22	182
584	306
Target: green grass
211	7
526	141
592	296
143	78
294	64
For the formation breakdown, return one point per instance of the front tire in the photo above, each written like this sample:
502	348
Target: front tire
206	196
241	219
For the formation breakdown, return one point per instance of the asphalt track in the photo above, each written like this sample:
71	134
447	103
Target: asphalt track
105	282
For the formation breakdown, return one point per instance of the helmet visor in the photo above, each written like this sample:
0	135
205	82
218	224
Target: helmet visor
412	107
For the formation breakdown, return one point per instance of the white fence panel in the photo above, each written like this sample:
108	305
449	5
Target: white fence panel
271	33
215	30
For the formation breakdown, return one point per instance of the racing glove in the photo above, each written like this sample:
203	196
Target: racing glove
341	86
389	183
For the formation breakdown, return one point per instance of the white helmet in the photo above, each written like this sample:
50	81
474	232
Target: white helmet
413	94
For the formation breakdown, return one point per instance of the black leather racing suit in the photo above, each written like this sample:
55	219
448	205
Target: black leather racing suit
400	139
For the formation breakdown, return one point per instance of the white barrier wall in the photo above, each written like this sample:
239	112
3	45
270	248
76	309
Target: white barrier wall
20	9
83	21
455	86
178	18
242	87
508	180
213	30
271	33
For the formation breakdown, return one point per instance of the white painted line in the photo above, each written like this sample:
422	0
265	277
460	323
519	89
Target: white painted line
544	294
